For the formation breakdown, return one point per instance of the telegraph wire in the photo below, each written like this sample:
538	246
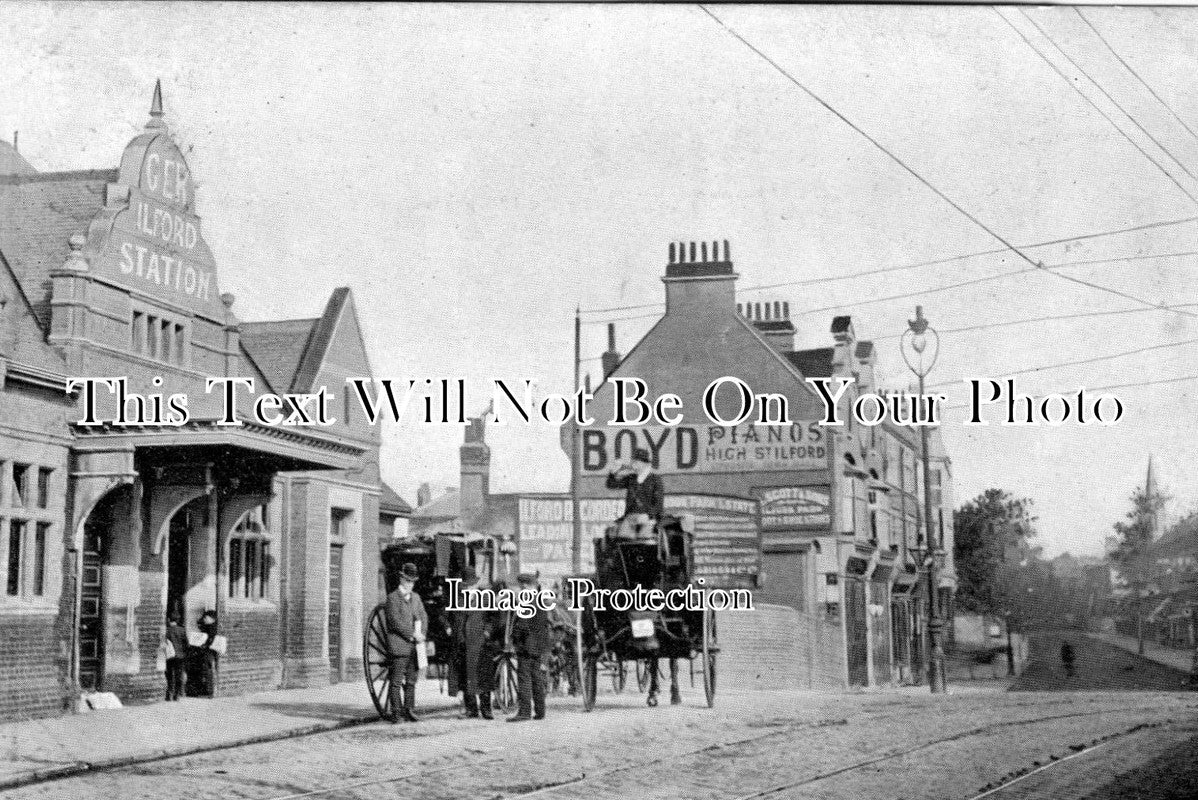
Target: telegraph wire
1076	363
1093	105
1128	67
930	186
1106	94
1105	388
917	265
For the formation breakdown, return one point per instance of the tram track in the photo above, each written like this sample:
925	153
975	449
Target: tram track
671	759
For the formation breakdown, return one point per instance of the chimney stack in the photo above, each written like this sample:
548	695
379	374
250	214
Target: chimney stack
699	279
611	358
772	321
424	495
475	458
843	361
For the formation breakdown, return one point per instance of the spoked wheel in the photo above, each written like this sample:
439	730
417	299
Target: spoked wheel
619	676
376	660
506	682
710	648
590	682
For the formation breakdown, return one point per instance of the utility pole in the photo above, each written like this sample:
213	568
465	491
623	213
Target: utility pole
576	515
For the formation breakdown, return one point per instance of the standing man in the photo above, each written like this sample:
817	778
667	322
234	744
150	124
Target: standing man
407	624
644	494
533	644
474	652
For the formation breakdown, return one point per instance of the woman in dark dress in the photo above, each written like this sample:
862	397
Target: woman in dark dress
202	660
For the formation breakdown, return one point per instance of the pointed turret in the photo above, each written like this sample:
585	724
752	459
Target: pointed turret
156	107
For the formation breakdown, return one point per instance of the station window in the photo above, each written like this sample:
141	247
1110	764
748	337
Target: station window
20	485
158	337
249	557
43	487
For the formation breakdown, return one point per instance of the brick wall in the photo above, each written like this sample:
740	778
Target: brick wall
779	647
252	661
30	667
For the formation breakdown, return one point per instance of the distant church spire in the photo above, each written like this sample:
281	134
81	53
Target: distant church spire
156	107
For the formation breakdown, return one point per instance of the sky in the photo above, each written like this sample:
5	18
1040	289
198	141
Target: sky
474	173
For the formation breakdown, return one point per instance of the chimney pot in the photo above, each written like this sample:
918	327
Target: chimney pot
703	251
611	336
727	251
777	310
671	252
692	253
785	310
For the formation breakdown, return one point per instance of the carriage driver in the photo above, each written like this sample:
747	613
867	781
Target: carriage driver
407	624
644	494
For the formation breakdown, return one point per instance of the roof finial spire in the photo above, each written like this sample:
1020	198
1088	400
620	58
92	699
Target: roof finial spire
156	107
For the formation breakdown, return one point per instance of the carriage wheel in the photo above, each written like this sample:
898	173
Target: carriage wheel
710	648
619	676
506	683
376	660
642	676
590	682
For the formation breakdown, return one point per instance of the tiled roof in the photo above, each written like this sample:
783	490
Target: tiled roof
391	503
841	324
277	348
1181	539
38	215
864	349
447	506
815	363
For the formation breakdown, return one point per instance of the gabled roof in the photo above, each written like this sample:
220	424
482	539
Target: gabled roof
813	363
38	214
318	343
12	162
391	504
277	348
447	506
1181	539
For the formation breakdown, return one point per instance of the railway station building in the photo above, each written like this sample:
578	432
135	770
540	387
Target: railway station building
104	527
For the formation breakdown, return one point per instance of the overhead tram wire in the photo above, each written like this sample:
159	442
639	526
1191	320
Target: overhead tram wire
930	186
1078	362
1049	318
1157	382
1038	267
1128	67
917	265
1106	94
1093	105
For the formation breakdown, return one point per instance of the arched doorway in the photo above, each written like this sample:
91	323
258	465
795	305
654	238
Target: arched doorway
99	535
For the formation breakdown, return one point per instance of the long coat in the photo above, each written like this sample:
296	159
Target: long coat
474	650
532	637
401	616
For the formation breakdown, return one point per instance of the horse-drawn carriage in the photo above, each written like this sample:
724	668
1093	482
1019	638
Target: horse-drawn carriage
657	557
438	557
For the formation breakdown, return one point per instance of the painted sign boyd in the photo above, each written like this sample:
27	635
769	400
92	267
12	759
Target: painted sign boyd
708	448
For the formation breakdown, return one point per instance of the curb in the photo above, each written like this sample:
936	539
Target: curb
79	767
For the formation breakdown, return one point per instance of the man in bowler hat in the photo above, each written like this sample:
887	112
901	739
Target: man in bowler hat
407	624
474	652
533	643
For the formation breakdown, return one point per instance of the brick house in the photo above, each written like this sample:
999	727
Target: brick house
106	526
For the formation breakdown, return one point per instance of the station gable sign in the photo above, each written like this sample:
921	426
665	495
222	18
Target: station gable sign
151	240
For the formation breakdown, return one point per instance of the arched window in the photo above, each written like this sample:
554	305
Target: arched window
250	563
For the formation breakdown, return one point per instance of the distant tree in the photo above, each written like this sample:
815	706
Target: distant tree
992	552
1130	554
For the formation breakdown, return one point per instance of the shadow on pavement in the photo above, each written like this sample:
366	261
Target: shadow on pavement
323	711
1097	667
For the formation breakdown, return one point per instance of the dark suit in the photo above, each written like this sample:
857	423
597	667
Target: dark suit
533	642
402	615
474	656
640	497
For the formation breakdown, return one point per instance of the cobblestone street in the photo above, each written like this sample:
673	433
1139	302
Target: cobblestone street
891	744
